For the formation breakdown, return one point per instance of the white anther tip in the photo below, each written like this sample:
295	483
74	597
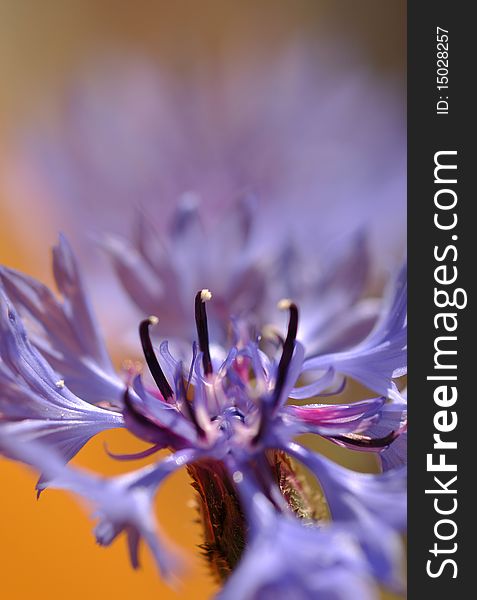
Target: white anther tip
153	320
205	295
284	304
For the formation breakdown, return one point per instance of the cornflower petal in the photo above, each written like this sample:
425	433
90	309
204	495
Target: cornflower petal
382	355
330	419
151	293
315	388
34	402
166	416
122	504
287	557
348	492
395	455
333	317
370	507
65	331
160	278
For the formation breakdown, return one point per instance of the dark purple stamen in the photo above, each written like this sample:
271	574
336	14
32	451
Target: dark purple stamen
283	365
362	441
202	329
288	347
152	362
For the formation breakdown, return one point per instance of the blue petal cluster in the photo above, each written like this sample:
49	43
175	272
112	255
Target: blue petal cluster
231	404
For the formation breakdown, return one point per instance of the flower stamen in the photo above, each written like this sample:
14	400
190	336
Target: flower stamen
283	365
151	360
364	441
288	346
202	329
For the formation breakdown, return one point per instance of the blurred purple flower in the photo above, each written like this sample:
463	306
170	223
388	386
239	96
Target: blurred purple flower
319	143
304	129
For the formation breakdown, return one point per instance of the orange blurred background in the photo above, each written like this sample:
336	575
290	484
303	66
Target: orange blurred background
46	548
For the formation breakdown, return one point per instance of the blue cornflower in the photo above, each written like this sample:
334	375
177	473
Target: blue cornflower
303	129
228	421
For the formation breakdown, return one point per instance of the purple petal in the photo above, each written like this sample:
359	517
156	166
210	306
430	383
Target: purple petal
289	558
165	416
370	507
328	419
123	503
382	355
395	456
65	331
315	388
349	493
34	402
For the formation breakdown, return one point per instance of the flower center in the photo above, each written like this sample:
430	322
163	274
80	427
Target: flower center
227	420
